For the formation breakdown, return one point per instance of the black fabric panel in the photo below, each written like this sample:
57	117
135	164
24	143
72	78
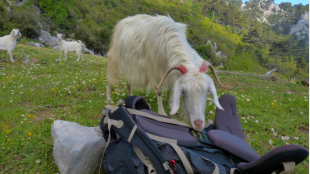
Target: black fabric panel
217	156
140	139
117	159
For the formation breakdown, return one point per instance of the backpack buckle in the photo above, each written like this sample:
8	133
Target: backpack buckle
173	166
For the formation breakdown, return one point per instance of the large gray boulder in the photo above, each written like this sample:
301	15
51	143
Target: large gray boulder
77	149
301	29
47	39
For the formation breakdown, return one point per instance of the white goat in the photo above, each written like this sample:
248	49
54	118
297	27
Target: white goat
66	47
8	42
145	49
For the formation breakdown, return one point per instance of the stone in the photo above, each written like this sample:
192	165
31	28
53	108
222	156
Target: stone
34	60
85	50
27	61
37	45
76	149
56	47
301	29
47	39
269	72
305	82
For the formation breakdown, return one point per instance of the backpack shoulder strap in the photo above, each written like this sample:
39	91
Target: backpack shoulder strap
136	102
144	114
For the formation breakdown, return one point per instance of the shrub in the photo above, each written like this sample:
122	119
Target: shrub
26	19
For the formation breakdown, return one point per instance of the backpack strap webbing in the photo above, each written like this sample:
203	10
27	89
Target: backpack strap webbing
145	160
147	115
177	149
232	170
288	167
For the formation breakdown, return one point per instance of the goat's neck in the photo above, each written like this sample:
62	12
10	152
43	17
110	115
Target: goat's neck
13	38
60	42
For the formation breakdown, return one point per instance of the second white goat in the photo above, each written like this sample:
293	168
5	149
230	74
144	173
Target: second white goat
8	42
66	47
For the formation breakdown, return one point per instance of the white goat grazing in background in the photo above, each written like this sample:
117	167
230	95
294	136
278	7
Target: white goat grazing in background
66	47
8	42
145	49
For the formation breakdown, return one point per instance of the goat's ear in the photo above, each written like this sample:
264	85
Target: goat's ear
63	36
177	90
214	94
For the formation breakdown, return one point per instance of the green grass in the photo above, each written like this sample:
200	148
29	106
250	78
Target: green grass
33	96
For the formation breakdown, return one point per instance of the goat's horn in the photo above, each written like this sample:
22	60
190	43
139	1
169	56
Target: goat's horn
203	69
181	68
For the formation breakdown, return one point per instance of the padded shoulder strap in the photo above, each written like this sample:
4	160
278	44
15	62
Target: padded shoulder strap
144	114
136	102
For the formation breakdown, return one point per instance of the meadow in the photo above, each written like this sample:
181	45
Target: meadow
32	96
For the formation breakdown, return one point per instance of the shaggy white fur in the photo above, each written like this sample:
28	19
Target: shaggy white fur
66	47
144	48
8	42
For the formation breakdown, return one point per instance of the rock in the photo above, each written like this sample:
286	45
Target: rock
56	47
34	60
269	72
27	61
218	54
76	149
85	50
214	46
209	42
266	9
36	45
301	29
58	60
47	39
305	82
21	3
37	9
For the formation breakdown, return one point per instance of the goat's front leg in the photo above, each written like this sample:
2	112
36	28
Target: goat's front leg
65	54
108	93
11	55
160	102
79	55
129	91
82	58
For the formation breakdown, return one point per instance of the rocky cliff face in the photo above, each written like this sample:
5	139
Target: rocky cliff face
301	29
264	7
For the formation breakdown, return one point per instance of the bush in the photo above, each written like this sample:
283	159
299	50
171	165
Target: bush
26	19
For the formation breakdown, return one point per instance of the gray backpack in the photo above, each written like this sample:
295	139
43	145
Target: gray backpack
141	141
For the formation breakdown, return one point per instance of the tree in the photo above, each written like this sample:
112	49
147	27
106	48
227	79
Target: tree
278	50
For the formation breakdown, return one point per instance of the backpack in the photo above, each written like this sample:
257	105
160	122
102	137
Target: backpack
141	141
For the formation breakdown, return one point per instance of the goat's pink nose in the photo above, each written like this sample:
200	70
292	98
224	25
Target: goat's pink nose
198	123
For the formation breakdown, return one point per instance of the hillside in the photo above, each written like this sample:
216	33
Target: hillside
239	34
34	95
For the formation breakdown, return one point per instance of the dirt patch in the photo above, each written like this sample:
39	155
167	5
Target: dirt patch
304	129
290	92
42	115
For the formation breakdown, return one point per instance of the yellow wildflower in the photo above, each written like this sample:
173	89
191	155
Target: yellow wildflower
29	134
